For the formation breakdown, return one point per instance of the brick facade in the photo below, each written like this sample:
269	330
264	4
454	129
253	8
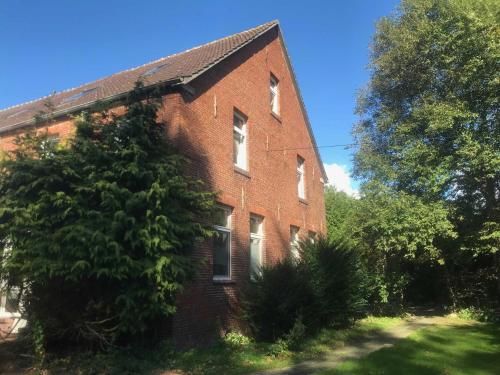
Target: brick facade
200	122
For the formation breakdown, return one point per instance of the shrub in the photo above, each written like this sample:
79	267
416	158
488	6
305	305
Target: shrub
336	279
236	340
291	298
99	232
274	300
278	348
479	314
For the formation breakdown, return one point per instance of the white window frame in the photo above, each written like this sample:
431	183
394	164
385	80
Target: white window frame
243	147
257	236
274	93
294	242
226	229
301	177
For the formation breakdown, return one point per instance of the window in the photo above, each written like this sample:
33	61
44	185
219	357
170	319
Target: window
154	70
49	144
301	178
312	236
222	244
256	242
240	141
274	95
77	96
9	301
294	242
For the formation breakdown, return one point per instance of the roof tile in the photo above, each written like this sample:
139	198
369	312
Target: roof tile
185	65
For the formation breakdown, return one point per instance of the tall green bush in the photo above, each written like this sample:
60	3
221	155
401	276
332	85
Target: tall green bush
325	287
274	300
99	232
335	275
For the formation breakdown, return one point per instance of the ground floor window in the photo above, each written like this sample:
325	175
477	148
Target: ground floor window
222	244
294	242
256	245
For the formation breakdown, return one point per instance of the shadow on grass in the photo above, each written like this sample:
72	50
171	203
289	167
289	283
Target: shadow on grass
465	349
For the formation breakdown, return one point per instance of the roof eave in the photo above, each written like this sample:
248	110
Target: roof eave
83	106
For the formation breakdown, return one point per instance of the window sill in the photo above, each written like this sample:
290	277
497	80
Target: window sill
241	171
276	116
303	201
223	281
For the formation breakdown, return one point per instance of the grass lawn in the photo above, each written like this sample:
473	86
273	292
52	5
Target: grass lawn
463	349
219	359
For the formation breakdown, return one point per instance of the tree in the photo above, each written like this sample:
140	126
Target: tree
99	232
340	208
430	125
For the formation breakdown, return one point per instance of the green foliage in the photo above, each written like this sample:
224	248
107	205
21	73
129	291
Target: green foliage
292	298
429	141
278	348
236	340
274	300
99	232
335	275
38	341
340	209
479	314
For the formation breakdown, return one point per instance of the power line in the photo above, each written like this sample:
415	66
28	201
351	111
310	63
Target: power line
311	148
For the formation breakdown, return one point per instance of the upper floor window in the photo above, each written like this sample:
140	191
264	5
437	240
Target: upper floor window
301	186
294	242
222	244
256	244
240	141
275	94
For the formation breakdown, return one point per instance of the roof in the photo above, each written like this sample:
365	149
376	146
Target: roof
178	68
181	67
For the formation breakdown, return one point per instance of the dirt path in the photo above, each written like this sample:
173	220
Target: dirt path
361	347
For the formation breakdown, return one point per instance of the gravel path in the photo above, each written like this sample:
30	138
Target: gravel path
361	347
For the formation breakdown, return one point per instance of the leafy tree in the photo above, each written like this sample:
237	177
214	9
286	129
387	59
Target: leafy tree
340	208
99	232
430	125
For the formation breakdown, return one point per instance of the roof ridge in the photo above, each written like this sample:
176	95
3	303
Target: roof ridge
267	24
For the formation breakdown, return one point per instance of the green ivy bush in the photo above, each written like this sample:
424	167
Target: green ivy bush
99	232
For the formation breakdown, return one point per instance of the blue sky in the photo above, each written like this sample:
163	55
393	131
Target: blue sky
53	45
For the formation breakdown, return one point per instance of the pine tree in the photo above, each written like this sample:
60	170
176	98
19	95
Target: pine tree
98	232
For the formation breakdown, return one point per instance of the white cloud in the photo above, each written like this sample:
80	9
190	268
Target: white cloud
340	178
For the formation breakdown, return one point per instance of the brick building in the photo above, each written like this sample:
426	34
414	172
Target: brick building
233	106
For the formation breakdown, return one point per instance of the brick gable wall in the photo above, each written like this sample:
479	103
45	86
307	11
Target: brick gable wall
201	125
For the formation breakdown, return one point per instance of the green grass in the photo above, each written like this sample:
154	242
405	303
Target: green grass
461	349
219	359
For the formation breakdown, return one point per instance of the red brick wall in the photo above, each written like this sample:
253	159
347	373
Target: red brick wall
201	124
270	189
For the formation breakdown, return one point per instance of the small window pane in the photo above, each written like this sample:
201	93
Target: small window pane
274	94
254	225
294	242
12	301
255	256
239	142
221	217
300	178
221	254
312	236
